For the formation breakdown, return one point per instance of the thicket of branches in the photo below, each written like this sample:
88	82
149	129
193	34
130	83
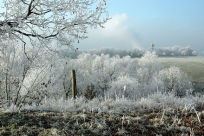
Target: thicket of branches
48	75
44	23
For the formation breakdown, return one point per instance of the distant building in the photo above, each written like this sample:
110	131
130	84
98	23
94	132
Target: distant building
152	47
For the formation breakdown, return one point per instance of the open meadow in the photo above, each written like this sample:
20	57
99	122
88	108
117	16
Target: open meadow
193	66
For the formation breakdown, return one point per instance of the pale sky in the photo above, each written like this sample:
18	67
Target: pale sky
138	23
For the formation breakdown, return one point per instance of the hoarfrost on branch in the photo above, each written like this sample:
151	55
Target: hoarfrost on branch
45	21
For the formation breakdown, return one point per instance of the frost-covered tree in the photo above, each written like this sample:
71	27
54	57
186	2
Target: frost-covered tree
175	50
183	53
9	77
29	29
148	65
99	70
19	77
45	21
117	87
194	53
173	79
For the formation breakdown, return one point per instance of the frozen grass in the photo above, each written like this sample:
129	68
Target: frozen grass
156	114
157	101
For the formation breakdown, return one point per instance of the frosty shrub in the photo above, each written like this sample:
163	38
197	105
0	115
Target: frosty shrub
173	79
148	67
137	75
100	71
23	79
124	86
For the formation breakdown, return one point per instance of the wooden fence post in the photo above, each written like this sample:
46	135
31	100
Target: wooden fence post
74	90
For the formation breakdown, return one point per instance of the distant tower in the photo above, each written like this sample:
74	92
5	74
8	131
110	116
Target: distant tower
152	47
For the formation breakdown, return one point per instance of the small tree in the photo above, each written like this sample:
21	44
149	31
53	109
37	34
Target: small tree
194	53
174	79
148	65
183	53
19	77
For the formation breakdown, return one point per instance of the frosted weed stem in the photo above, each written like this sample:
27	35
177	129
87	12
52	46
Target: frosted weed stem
197	114
162	116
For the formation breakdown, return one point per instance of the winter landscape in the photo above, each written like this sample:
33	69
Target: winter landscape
116	95
154	91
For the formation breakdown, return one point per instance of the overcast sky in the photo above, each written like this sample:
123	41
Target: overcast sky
138	23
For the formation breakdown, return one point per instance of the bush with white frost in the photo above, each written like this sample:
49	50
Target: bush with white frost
148	65
124	86
174	79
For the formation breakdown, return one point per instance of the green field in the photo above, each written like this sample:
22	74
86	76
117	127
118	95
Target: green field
193	66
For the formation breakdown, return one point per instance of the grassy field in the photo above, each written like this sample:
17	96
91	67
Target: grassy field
193	66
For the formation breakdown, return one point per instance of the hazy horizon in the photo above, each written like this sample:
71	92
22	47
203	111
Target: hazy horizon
138	23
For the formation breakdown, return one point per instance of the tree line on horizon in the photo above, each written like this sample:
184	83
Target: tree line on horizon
174	51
